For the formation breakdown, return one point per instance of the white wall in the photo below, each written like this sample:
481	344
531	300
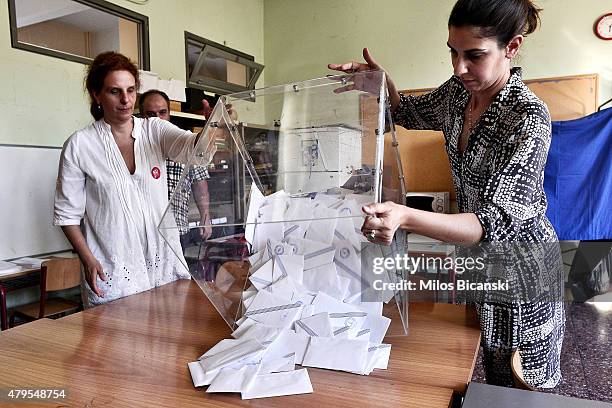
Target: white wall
408	37
42	99
102	39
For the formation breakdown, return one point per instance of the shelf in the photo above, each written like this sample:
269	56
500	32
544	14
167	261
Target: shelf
223	202
180	115
188	115
257	149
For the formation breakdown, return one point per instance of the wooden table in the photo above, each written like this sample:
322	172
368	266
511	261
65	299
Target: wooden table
134	352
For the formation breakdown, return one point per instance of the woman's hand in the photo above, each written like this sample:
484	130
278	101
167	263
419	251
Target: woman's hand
370	64
91	266
207	110
382	220
365	82
93	269
352	67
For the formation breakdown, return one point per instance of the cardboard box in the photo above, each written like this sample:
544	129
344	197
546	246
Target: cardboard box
438	202
175	106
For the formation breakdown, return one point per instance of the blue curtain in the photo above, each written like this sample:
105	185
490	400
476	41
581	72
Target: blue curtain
578	177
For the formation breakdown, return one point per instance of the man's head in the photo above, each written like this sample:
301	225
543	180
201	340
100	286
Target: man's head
154	103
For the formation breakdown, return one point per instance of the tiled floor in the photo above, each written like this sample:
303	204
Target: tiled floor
586	359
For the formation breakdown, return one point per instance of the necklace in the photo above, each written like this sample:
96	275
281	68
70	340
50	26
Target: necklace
471	123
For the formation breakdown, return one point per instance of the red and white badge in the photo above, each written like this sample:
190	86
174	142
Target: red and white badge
156	173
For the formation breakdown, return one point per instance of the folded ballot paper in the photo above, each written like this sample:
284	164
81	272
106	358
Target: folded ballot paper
302	305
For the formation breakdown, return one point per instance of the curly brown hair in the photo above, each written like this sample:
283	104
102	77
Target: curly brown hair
101	66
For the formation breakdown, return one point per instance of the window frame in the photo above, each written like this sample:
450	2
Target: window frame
214	85
140	19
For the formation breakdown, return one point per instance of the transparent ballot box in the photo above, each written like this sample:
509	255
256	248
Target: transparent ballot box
271	200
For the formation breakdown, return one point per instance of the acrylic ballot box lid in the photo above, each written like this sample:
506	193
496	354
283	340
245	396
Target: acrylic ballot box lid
277	181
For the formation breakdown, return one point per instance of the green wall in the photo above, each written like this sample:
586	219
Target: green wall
408	37
42	99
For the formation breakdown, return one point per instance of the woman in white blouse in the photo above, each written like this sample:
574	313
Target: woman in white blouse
112	190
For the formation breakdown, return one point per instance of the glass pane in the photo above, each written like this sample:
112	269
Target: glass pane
76	29
193	52
220	65
292	165
215	67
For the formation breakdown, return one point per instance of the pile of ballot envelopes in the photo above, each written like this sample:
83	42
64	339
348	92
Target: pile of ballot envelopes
303	303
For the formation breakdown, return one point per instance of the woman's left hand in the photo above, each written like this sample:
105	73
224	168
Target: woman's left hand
382	220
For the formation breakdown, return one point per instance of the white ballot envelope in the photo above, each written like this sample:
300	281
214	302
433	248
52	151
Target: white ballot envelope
378	357
247	298
277	365
263	276
256	200
315	253
297	217
288	343
251	329
267	227
317	325
272	310
382	356
198	376
346	333
272	248
345	231
322	228
277	384
340	314
275	248
200	370
377	326
234	379
336	354
348	265
373	308
327	200
324	278
290	265
294	293
239	352
284	288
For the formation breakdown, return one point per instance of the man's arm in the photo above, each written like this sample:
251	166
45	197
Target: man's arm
201	196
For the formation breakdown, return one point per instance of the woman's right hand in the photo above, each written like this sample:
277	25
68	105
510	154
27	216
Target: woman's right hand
93	269
352	67
370	64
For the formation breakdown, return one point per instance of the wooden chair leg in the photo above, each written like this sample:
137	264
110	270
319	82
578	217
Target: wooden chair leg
3	320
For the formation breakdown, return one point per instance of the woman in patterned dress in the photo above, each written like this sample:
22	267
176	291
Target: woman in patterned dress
497	134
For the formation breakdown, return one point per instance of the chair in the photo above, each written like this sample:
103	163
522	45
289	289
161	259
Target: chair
55	274
3	320
517	372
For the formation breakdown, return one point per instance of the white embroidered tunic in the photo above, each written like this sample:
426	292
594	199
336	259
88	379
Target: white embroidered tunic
120	211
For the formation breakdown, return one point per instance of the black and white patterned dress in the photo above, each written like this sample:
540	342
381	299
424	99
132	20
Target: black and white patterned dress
499	178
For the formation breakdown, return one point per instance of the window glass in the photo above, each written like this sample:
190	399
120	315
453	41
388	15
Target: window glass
78	30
